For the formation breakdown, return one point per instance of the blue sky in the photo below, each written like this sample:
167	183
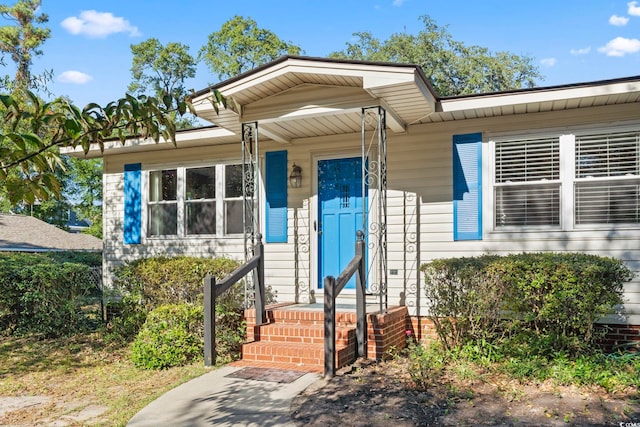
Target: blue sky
571	41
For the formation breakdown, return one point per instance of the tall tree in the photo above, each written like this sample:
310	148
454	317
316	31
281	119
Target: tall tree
22	41
85	183
35	128
54	210
31	130
453	67
240	45
159	71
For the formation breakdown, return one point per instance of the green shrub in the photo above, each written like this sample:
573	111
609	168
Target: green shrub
41	295
125	316
230	325
548	299
163	280
171	336
462	303
149	283
92	259
560	296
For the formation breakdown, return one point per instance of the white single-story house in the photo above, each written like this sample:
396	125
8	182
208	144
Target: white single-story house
342	145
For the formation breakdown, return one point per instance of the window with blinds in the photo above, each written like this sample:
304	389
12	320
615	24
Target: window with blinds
607	178
527	183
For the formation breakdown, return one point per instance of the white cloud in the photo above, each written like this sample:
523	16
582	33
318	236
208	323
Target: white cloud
548	62
582	51
634	9
618	21
74	77
398	3
620	46
98	24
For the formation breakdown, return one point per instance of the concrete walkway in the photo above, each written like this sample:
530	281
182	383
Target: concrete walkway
229	396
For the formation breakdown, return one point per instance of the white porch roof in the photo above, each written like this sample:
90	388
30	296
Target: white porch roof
298	97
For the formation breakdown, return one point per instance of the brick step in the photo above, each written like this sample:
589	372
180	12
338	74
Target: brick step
294	335
303	355
280	314
301	333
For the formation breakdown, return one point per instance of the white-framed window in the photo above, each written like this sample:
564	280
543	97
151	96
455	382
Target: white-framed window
233	199
195	201
163	202
527	182
607	178
565	181
200	201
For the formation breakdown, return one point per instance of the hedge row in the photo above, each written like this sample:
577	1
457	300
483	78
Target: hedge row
45	294
554	297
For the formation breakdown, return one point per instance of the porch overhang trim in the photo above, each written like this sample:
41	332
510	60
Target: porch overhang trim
376	79
274	136
190	138
373	76
396	124
502	99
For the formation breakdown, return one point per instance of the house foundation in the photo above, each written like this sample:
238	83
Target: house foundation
293	337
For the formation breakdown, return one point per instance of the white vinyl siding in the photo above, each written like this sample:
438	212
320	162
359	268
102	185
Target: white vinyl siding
420	222
206	245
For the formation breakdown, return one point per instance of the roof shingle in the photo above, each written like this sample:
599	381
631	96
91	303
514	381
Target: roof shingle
29	234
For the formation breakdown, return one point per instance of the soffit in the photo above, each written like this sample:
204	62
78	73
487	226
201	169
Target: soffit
298	98
539	100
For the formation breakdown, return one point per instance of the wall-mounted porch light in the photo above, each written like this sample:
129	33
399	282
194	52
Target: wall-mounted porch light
295	179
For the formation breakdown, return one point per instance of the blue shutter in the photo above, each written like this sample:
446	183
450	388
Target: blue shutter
467	187
276	186
132	203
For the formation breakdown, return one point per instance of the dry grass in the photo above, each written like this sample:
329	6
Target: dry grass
77	373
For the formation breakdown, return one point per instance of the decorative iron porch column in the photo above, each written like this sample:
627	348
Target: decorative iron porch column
374	187
251	205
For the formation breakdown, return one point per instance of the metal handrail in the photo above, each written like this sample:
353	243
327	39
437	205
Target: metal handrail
332	288
213	291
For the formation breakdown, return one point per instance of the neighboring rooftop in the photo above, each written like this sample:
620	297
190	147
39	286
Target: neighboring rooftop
28	234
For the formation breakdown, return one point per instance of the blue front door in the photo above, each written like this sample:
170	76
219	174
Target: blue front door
340	204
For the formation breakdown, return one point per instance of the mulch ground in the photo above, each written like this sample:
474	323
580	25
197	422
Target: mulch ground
382	394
